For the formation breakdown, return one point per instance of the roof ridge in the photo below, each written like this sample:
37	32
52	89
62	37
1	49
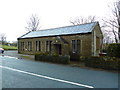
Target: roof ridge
64	27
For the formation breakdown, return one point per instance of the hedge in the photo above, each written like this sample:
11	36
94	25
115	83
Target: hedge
53	58
74	57
113	50
109	63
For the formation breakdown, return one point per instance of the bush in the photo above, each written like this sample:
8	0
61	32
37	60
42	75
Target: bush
111	63
42	54
82	58
52	58
113	50
74	57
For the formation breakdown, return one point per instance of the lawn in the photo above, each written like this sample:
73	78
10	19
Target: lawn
9	47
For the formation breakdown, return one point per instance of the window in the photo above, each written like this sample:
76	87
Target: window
97	43
48	46
76	46
73	46
29	46
22	46
38	46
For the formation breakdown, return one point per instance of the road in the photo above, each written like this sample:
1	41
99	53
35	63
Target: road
22	73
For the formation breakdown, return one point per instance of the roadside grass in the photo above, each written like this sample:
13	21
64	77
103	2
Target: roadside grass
5	47
27	57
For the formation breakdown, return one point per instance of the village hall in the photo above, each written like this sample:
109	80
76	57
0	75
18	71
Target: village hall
85	39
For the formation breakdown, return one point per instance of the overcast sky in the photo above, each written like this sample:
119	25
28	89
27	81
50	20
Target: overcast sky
52	13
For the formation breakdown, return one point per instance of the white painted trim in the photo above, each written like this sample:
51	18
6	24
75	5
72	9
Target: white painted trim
94	43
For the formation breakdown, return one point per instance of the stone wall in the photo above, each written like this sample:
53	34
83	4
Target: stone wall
85	47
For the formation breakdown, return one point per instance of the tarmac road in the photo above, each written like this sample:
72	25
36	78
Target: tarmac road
22	73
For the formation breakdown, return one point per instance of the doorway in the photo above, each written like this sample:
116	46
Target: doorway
58	49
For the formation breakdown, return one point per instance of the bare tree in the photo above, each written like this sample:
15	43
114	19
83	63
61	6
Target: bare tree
33	23
119	20
2	39
83	20
113	23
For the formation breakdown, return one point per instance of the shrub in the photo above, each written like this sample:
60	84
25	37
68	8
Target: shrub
42	54
52	58
74	56
113	50
111	63
82	58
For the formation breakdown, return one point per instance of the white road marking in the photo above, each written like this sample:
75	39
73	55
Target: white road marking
46	77
10	57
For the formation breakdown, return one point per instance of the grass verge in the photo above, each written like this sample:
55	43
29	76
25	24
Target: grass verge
5	47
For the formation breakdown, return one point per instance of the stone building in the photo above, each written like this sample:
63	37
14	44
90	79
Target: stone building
84	39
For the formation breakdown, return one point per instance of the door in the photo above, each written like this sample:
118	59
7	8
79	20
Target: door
58	49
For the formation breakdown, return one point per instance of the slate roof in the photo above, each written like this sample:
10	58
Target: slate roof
68	30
